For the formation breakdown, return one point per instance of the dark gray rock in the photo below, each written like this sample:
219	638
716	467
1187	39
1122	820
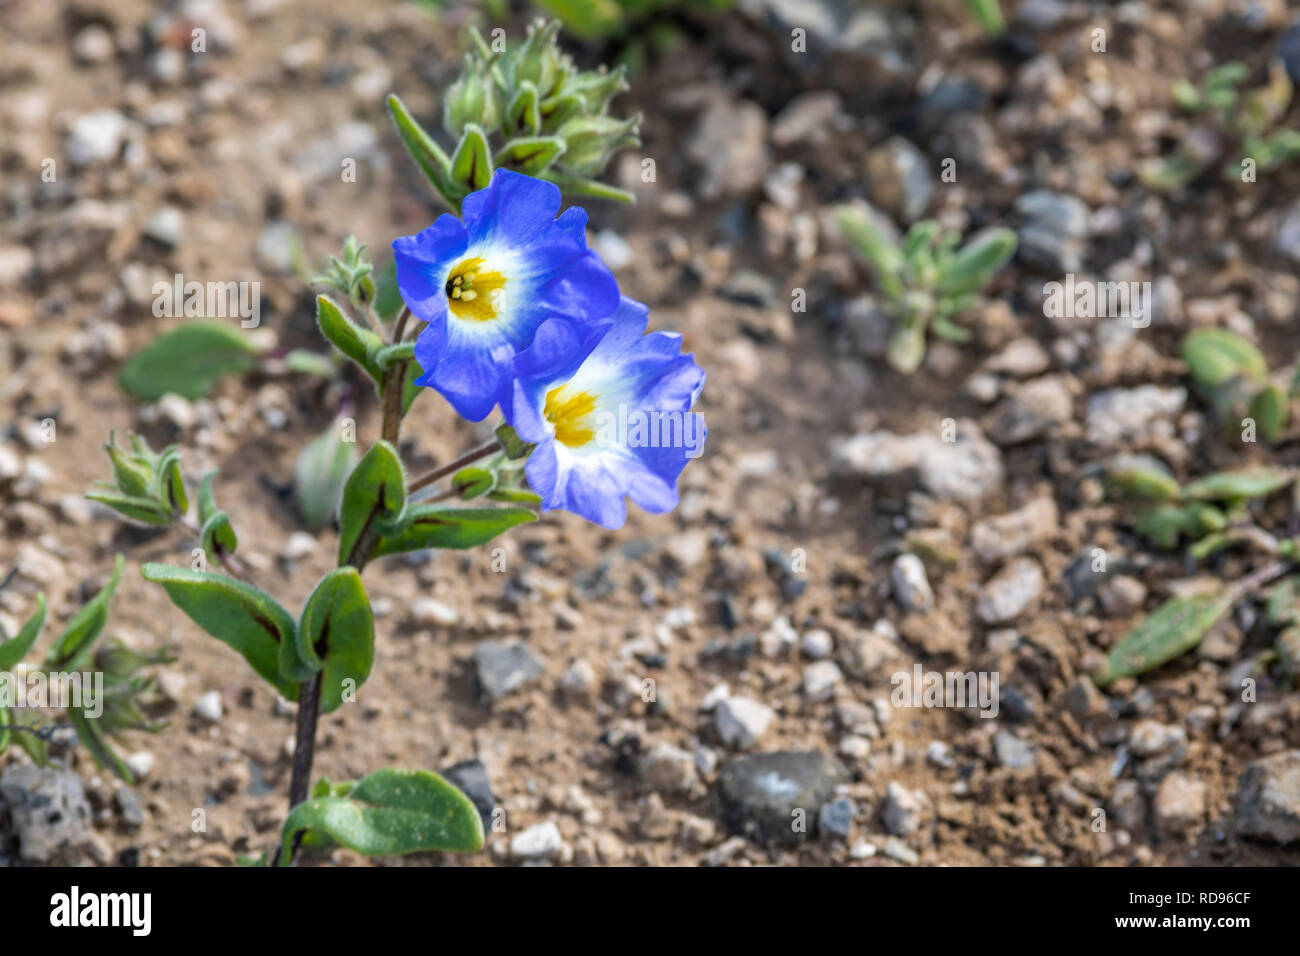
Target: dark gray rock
1268	798
759	795
470	777
47	811
503	668
1054	231
836	818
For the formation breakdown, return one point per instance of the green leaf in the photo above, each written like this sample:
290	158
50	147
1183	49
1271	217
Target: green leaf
522	112
906	347
145	510
471	164
80	633
309	363
390	354
1254	481
217	536
871	242
431	159
132	474
971	268
1271	410
319	475
352	340
94	740
473	482
1284	601
531	155
1174	629
1215	355
337	631
390	812
206	501
514	446
432	526
411	391
988	14
189	360
169	484
15	649
235	613
1134	480
374	496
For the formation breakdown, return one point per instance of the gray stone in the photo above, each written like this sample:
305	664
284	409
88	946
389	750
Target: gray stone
1012	752
1268	798
1054	231
1014	533
966	469
471	778
901	810
1032	410
741	722
96	137
911	586
47	810
729	145
1119	416
541	841
502	668
1179	803
900	180
758	795
835	819
1012	592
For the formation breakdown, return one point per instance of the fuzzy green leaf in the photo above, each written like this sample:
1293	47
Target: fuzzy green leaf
531	155
1175	628
80	634
971	268
217	536
374	496
390	812
235	613
432	526
427	154
357	343
1254	481
189	360
319	474
337	632
471	164
145	510
1215	355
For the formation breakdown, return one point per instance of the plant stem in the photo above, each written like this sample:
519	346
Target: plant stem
308	718
400	325
454	466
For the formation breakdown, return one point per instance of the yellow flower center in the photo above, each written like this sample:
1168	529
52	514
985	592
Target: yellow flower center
473	292
570	415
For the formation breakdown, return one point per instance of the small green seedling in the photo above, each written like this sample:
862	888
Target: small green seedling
1236	130
927	280
1232	376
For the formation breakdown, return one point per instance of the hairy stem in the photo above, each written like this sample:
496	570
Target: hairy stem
452	467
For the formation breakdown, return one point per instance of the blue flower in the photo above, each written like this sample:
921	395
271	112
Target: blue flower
609	411
486	284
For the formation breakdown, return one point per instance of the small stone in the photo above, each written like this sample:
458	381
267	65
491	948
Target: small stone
1122	596
96	137
1121	416
896	849
1083	699
1179	803
16	264
166	227
178	411
613	249
1005	536
208	706
426	612
817	644
140	764
820	680
1020	358
835	818
966	469
542	841
911	586
939	754
1268	798
93	44
759	795
669	769
503	668
729	145
129	806
1127	805
300	545
1031	411
1012	592
578	682
900	181
1053	235
1012	752
741	722
806	117
1148	738
901	810
688	549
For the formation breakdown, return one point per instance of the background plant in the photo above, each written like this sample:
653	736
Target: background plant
927	280
1233	127
1223	510
128	691
1233	377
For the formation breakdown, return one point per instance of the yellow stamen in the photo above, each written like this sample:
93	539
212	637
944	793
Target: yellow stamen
569	414
473	292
